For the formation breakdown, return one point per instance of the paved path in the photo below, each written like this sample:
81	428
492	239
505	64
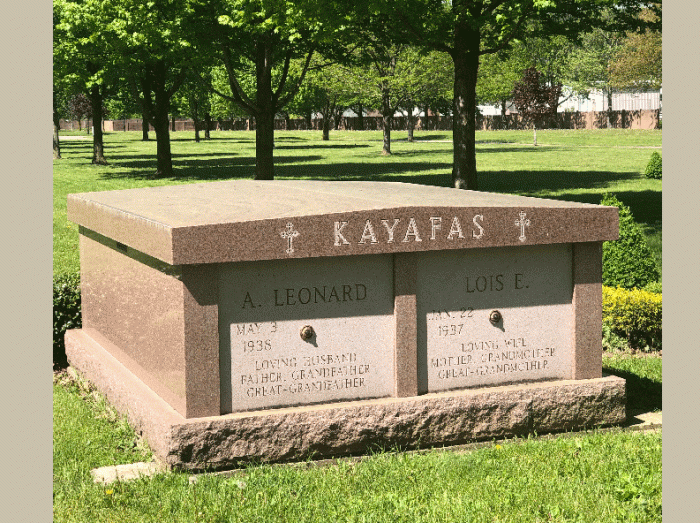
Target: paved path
74	137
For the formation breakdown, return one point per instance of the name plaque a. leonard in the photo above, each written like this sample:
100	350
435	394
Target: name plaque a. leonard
246	320
349	352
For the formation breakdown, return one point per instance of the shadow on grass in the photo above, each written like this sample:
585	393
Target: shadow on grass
288	138
77	145
177	137
503	141
371	171
429	137
322	145
645	205
218	168
643	394
535	182
563	185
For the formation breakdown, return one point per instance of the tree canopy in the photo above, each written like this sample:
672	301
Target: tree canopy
467	30
637	63
256	54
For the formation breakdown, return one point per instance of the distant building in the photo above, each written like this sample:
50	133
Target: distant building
596	101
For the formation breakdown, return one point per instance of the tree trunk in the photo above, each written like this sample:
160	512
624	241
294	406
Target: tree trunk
140	98
387	118
466	61
194	108
326	125
98	154
386	128
56	144
207	124
161	123
360	118
307	117
265	119
337	113
264	145
56	127
410	124
146	88
610	113
145	127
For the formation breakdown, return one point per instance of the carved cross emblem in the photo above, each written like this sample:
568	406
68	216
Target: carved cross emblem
522	223
289	234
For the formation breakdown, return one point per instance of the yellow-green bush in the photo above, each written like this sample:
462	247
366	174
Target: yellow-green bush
633	316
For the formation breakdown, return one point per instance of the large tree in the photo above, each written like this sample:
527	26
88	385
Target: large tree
150	43
79	107
261	37
551	56
325	91
468	29
56	125
194	100
535	98
589	63
82	57
637	63
498	74
383	77
426	82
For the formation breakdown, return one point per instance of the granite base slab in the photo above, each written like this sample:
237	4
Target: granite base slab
345	428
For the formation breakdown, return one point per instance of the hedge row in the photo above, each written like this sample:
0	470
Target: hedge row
631	319
66	313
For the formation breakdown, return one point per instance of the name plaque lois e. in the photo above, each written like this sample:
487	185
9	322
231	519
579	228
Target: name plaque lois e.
313	331
495	316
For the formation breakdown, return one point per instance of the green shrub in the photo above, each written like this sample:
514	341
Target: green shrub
612	342
628	262
66	313
654	286
633	316
653	169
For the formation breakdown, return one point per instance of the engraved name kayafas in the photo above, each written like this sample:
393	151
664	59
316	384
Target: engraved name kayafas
395	230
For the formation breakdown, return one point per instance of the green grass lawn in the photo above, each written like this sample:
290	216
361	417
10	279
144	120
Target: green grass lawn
592	476
570	165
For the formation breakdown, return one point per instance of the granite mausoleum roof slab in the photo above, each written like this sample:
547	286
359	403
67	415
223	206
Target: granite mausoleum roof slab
246	220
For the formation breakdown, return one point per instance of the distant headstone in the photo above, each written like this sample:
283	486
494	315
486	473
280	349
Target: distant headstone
244	320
